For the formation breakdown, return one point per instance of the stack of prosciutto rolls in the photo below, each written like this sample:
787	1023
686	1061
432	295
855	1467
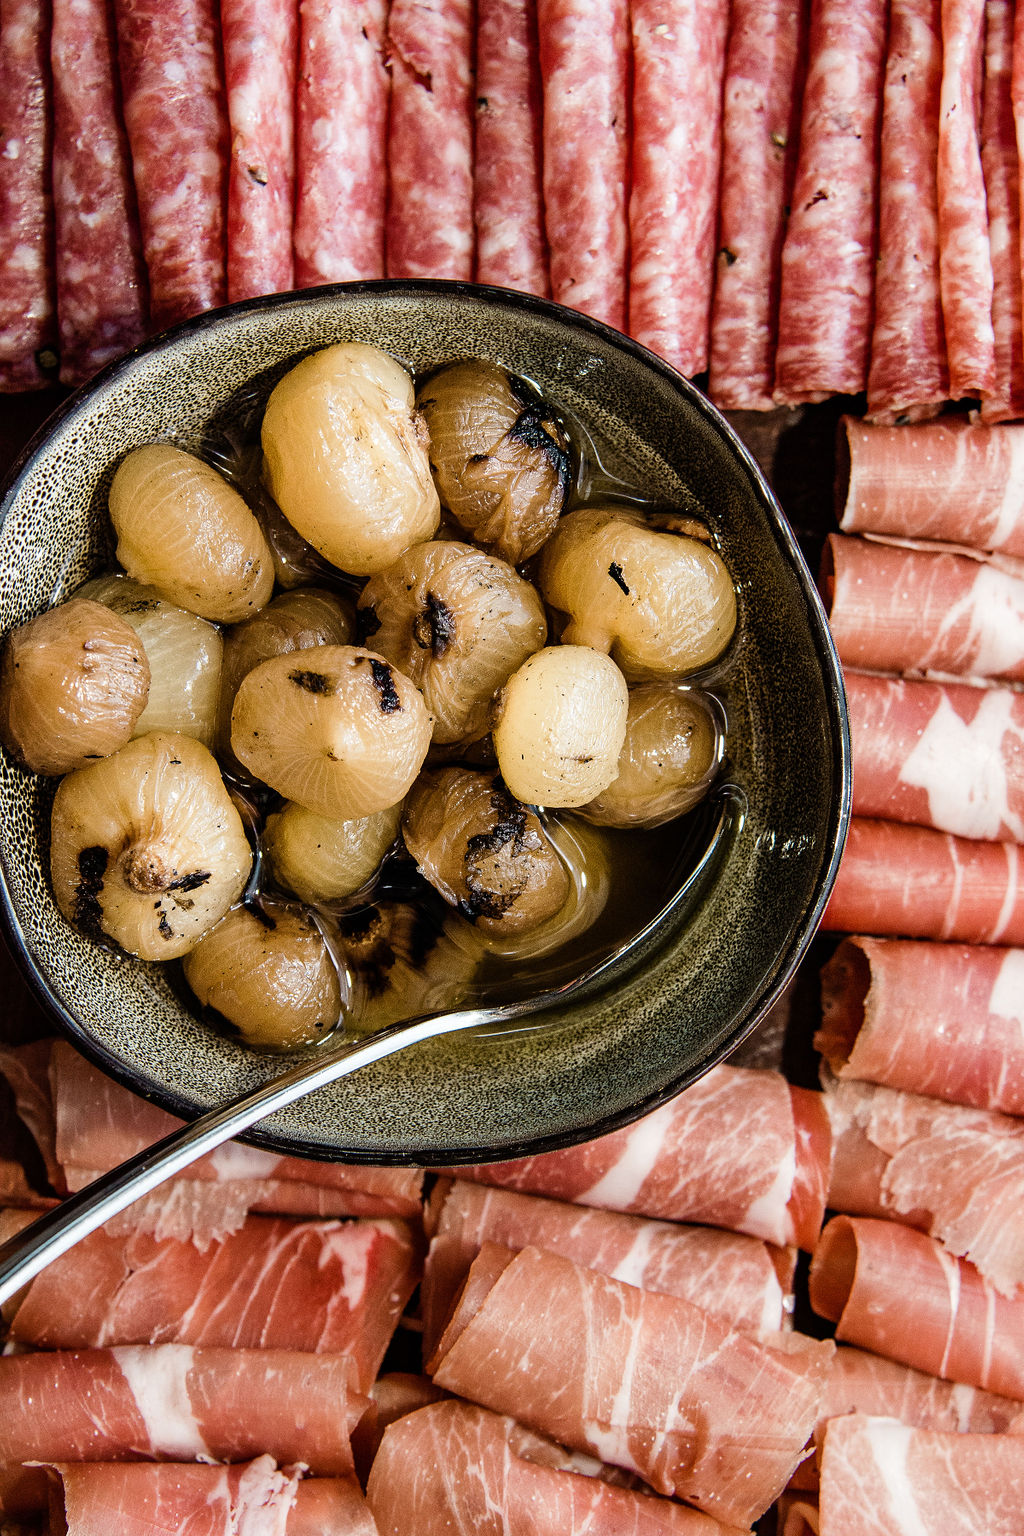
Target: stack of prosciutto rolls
797	200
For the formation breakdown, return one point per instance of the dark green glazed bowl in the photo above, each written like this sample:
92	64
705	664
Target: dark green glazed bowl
709	972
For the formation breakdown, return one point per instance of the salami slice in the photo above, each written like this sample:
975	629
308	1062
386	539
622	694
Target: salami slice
259	68
941	755
1002	191
101	277
508	204
341	152
28	330
828	256
430	139
965	256
897	1292
673	205
760	133
912	882
908	376
584	59
902	609
177	127
938	1019
938	480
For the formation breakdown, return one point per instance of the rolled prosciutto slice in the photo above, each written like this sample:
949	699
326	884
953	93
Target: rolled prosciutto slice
673	205
860	1382
923	1482
828	256
392	1396
174	111
101	276
942	755
170	1402
914	883
737	1279
760	133
682	1163
935	480
1002	191
584	60
330	1506
28	329
945	1020
251	1499
897	1292
341	152
508	203
455	1469
956	1172
259	67
645	1381
965	255
908	375
325	1287
899	609
430	139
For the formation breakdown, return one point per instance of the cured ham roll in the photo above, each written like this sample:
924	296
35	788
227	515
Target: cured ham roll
176	120
455	1469
645	1381
898	609
430	140
915	883
965	256
508	203
937	1019
584	60
942	755
341	142
860	1382
259	67
391	1397
330	1506
101	277
828	256
27	315
673	205
760	132
1002	193
957	1173
936	480
897	1292
683	1163
324	1287
923	1482
908	374
736	1279
169	1402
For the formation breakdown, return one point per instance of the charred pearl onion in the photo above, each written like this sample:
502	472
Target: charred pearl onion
271	976
184	653
662	603
667	762
499	459
458	623
484	851
295	621
336	728
146	847
73	683
561	725
321	859
345	457
182	528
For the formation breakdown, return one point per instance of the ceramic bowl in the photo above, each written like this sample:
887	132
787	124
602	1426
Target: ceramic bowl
750	889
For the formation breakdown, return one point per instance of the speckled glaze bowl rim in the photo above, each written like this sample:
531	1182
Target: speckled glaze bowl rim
761	1001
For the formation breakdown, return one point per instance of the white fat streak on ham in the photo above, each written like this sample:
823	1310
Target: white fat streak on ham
158	1381
889	1444
962	768
993	612
619	1187
232	1160
1006	1001
263	1510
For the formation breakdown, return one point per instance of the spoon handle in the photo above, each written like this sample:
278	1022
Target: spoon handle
52	1234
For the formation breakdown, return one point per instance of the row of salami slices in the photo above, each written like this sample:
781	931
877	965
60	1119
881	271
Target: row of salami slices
802	200
606	1332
